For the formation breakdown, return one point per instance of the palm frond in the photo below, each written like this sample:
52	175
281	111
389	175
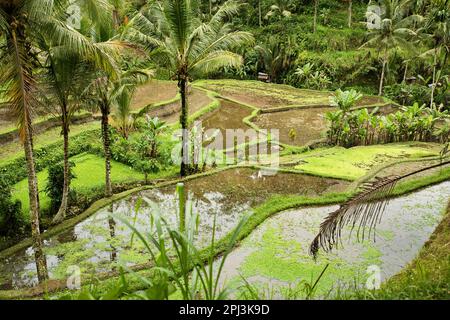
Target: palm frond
227	10
179	17
216	60
20	85
364	210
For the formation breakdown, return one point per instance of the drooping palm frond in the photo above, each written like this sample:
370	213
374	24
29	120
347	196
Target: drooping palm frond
362	211
216	60
20	86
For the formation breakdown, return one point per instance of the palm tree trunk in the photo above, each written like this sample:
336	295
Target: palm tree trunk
349	13
316	4
106	148
383	70
405	73
182	84
259	13
61	215
433	83
33	192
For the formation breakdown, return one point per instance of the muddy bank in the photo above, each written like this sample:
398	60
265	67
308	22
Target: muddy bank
229	116
297	126
152	92
197	100
270	96
43	126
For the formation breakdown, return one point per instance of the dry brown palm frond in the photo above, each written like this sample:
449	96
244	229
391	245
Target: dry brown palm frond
363	211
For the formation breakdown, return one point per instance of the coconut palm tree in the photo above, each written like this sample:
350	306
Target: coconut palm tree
393	33
21	23
189	46
63	76
316	8
68	69
123	94
105	92
438	26
349	13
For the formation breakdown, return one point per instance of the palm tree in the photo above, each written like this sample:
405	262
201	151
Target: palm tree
349	10
123	94
62	78
188	45
316	8
68	69
393	33
106	91
19	20
275	57
438	24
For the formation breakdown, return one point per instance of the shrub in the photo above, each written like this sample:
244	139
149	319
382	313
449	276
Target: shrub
11	219
407	94
55	183
16	170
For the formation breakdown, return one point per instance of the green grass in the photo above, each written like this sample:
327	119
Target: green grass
351	164
90	173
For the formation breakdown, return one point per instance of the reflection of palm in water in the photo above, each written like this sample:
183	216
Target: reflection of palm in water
112	233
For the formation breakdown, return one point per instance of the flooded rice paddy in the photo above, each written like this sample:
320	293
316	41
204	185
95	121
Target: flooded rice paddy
101	243
275	259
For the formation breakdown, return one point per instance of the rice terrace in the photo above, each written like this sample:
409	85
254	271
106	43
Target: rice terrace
224	150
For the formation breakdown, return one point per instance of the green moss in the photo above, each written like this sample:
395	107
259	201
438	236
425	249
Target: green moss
356	162
286	261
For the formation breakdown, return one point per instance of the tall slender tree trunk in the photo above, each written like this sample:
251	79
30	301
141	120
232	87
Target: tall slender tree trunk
106	147
259	13
433	83
316	5
33	193
61	215
112	234
405	74
182	84
383	71
349	13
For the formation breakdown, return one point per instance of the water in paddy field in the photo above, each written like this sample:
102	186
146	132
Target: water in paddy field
275	257
100	244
